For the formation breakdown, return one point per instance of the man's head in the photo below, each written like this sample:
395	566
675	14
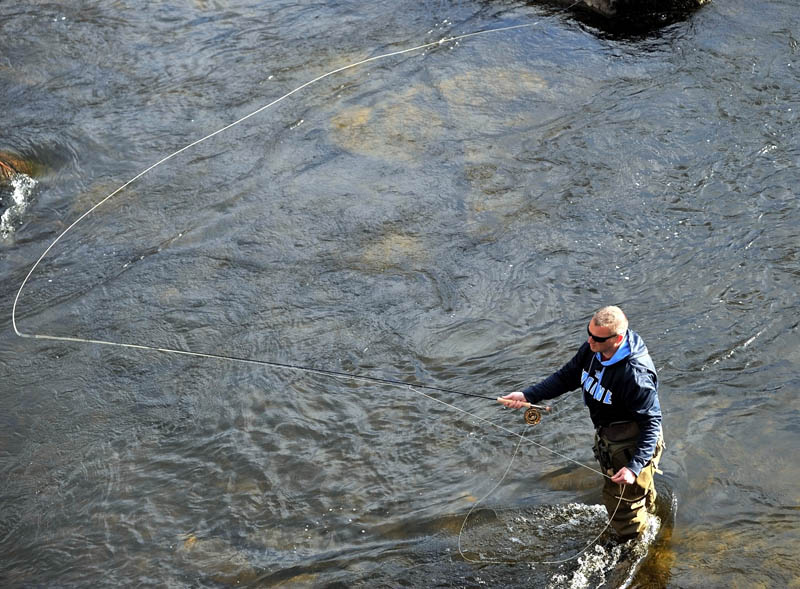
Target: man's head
606	330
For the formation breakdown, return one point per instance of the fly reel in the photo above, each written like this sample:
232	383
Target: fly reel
532	416
533	413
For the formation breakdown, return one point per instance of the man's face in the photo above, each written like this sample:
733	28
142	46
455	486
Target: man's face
607	347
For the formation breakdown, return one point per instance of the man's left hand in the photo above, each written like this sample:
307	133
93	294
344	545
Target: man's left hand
624	475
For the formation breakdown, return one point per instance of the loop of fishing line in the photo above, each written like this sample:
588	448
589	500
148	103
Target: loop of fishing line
442	41
522	439
482	499
512	562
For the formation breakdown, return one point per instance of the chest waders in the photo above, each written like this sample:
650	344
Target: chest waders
614	446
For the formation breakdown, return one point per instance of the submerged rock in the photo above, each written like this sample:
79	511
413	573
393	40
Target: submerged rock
216	559
614	8
630	17
394	250
12	164
395	129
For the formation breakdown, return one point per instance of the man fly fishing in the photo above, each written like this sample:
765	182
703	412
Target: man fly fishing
620	388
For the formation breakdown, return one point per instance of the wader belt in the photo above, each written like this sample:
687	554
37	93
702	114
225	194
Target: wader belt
618	431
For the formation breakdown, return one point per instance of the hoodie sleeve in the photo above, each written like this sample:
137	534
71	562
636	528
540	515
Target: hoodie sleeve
566	378
644	404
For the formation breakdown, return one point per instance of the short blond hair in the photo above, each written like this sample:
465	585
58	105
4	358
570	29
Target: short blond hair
611	317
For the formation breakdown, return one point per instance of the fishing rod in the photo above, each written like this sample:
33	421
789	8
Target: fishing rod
533	414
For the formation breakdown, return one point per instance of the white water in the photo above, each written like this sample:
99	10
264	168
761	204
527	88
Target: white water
19	199
537	536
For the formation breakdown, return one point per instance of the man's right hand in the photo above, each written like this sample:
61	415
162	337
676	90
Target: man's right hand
515	400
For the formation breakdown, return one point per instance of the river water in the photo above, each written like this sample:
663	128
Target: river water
450	216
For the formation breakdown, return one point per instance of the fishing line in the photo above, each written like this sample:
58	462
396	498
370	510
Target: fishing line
252	361
159	349
442	41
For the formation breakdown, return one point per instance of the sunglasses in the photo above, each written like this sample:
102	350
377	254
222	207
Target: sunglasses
598	339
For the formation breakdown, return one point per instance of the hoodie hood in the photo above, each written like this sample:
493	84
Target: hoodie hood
633	346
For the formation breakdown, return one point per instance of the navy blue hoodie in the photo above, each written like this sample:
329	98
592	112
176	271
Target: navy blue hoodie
624	388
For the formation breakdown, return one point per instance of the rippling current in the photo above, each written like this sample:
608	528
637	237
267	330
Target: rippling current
449	216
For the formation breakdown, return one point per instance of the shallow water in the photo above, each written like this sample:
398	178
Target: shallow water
449	216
